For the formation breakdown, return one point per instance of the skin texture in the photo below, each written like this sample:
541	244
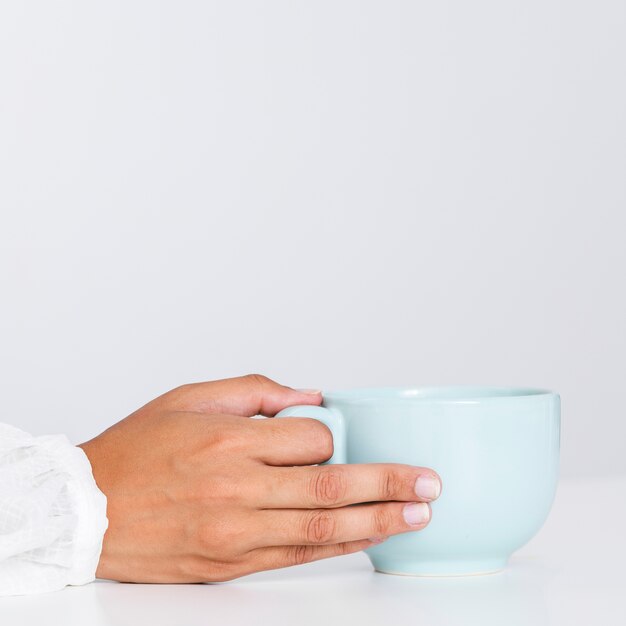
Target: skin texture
199	492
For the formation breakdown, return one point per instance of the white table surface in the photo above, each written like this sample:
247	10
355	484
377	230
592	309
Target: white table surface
573	572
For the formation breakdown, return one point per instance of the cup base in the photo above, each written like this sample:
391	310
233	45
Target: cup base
439	569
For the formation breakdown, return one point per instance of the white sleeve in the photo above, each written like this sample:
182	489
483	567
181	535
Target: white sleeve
52	514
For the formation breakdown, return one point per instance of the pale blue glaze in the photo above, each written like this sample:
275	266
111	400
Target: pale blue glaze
496	450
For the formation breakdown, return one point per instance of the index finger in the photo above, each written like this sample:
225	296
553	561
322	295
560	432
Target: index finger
290	441
331	486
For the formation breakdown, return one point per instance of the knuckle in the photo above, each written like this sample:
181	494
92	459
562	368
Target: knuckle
328	486
218	438
256	380
201	569
301	554
176	398
182	389
228	434
206	538
319	527
219	540
391	484
232	439
382	520
344	548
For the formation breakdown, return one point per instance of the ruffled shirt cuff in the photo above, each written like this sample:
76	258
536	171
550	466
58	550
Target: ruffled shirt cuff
52	514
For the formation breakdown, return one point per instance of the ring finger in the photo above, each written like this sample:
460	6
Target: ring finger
284	527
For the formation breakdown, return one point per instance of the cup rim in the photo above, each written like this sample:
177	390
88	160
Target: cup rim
448	394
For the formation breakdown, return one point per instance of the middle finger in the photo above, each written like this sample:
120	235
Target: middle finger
330	486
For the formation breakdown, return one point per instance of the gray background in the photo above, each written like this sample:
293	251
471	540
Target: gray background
330	193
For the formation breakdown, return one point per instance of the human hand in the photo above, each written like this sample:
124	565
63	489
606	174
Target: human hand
197	491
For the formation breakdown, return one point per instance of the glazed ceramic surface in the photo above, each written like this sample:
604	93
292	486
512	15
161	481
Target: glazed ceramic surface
496	450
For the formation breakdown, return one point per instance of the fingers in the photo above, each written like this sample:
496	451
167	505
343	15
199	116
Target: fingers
293	527
249	395
289	441
284	556
339	485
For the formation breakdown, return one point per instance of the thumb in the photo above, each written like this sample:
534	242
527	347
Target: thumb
249	395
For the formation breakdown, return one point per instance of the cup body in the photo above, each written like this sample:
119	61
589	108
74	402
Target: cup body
496	450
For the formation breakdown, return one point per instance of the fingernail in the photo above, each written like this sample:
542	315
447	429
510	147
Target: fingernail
377	539
416	513
310	391
427	487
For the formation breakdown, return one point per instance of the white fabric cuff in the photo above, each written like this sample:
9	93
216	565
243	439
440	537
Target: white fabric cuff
52	514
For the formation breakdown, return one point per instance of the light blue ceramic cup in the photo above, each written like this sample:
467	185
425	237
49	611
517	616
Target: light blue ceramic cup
496	450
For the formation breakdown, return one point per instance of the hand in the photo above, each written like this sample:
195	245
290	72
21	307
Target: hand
199	492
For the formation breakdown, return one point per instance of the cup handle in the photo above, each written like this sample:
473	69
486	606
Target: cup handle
332	418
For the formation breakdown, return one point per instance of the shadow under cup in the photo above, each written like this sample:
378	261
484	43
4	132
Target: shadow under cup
496	450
